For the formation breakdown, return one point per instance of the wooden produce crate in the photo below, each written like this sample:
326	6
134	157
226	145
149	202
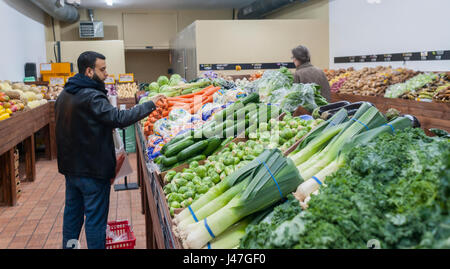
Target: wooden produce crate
430	115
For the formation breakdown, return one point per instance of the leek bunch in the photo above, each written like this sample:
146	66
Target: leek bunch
325	153
251	189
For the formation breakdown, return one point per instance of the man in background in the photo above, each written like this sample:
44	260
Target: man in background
85	121
307	73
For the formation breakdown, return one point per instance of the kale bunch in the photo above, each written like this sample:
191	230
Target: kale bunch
394	189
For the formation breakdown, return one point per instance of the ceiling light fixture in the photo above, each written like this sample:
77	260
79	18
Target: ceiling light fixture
109	2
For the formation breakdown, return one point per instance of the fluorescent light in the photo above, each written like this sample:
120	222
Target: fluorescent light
109	2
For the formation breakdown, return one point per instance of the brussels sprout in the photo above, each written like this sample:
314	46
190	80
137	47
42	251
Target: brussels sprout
206	180
176	197
183	189
188	176
251	143
237	160
190	185
288	116
180	181
193	165
167	189
222	176
215	178
228	170
219	167
196	180
253	135
175	204
213	157
204	188
172	211
241	144
248	151
201	171
188	170
197	195
281	141
188	202
188	194
170	175
232	146
287	134
263	126
226	150
228	161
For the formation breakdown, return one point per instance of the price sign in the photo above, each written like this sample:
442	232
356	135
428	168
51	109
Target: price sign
46	67
56	81
111	79
124	78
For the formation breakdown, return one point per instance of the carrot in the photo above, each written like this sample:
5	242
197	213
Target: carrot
212	91
165	113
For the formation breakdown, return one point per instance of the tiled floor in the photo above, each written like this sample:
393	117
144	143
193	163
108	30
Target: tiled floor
36	221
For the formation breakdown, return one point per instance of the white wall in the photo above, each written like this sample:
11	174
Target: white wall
22	38
393	26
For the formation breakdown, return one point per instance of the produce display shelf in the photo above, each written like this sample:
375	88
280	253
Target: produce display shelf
158	222
430	115
21	127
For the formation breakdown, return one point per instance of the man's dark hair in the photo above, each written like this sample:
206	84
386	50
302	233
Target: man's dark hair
301	53
88	59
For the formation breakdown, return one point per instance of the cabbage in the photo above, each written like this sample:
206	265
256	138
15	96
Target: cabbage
175	79
153	87
163	88
145	99
163	80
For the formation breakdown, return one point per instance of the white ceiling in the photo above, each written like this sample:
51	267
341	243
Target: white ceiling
167	4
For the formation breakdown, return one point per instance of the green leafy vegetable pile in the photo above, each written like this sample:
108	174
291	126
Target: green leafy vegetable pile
394	189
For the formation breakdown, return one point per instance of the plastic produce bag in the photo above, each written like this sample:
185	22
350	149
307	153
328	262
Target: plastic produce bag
300	95
123	167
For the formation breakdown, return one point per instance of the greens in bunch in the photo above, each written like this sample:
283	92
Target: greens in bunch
394	189
271	81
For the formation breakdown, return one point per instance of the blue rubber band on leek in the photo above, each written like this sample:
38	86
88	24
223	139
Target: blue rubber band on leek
353	119
317	180
209	229
192	213
276	183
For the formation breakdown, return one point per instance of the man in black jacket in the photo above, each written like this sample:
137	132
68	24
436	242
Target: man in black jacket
86	154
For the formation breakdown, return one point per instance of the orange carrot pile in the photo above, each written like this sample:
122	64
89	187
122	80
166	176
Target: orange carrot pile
194	101
161	111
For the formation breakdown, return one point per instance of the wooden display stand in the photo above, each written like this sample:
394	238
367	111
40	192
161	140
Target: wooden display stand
430	115
21	127
158	221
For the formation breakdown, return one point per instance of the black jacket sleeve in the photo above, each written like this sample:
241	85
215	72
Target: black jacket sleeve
107	114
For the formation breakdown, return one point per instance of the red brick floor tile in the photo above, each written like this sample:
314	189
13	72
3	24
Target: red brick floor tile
36	221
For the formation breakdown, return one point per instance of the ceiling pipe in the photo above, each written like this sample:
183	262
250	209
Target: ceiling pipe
65	12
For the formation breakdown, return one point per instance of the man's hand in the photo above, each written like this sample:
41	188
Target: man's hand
120	160
158	99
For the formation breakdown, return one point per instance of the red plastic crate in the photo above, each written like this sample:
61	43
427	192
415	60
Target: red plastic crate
119	228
